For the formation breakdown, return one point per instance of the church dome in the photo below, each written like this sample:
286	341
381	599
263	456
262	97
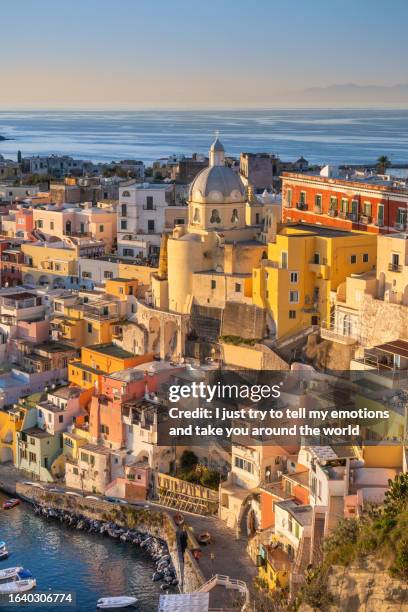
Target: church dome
217	184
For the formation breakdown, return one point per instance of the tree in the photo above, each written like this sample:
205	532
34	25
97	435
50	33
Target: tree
188	460
396	498
383	162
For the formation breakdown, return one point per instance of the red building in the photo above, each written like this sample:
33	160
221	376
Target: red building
11	262
366	203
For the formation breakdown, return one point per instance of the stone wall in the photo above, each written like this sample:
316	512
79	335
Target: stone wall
382	321
154	522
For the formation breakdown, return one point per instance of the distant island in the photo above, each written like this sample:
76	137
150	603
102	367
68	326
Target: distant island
3	138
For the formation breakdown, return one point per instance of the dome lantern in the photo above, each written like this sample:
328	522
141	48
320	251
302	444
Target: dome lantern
217	153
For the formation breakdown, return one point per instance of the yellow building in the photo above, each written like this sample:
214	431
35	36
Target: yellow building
101	359
13	420
304	265
121	288
48	265
87	319
274	569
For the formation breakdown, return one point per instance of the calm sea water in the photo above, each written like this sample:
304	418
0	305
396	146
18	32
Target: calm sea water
63	559
329	136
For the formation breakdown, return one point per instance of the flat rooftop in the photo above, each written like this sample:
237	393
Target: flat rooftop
314	230
112	350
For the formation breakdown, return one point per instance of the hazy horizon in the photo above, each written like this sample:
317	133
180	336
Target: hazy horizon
187	54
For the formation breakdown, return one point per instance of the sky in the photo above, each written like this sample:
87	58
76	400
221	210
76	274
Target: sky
198	53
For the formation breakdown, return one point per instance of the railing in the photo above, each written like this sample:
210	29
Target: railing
301	205
227	582
395	267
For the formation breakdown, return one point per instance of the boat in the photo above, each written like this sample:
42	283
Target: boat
21	582
10	503
105	603
3	551
9	572
204	538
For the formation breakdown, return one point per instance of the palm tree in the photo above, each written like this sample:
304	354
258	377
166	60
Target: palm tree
383	162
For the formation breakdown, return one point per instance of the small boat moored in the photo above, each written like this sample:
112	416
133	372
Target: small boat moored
3	551
106	603
9	572
21	582
10	503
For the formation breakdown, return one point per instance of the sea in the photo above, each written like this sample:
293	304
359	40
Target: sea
335	136
64	560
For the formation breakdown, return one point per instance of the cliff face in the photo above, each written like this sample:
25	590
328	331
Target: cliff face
367	587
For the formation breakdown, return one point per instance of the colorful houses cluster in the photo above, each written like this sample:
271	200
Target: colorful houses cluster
112	290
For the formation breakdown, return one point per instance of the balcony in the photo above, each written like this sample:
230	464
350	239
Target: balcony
352	216
334	335
394	267
365	219
145	207
332	213
301	205
317	210
321	270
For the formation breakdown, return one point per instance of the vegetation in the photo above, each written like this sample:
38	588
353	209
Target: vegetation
380	532
237	340
383	162
192	471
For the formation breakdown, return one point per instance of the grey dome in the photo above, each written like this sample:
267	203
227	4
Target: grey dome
218	178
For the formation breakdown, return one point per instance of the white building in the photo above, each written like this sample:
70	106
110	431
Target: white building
145	211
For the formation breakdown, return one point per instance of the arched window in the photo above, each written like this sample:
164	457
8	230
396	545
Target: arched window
215	216
234	217
125	194
197	216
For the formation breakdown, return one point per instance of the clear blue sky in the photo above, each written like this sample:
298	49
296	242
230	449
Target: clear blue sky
195	52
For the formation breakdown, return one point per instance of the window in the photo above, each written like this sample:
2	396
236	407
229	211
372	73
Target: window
57	267
365	257
86	274
32	457
402	216
290	523
213	284
284	260
292	314
294	297
196	218
242	464
237	287
52	225
125	194
353	259
354	210
215	216
318	203
234	217
150	225
60	418
124	210
380	218
40	223
344	205
333	203
367	209
108	274
101	228
288	198
302	197
293	277
104	429
123	224
89	328
149	202
128	252
316	258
